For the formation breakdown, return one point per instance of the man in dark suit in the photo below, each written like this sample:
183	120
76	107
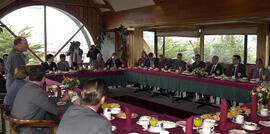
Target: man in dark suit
114	62
49	64
259	71
197	64
2	79
215	67
84	119
179	63
32	102
237	68
152	61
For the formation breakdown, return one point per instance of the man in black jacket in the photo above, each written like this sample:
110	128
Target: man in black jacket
215	67
237	68
114	62
49	64
92	53
198	63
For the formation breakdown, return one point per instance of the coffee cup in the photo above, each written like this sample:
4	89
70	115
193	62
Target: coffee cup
264	112
207	130
107	113
239	119
208	123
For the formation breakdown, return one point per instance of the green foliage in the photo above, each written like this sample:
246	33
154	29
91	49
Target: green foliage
6	45
123	32
224	46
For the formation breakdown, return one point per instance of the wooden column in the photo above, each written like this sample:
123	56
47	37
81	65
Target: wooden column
135	45
118	43
263	43
202	46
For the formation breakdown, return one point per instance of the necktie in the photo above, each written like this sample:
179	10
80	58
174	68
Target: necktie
258	73
213	69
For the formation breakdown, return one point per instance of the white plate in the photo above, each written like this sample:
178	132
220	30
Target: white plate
261	115
243	126
265	123
168	124
155	131
236	131
201	132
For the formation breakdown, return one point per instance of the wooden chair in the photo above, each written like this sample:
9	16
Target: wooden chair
2	96
15	123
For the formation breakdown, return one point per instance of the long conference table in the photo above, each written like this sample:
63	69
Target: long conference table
121	123
235	91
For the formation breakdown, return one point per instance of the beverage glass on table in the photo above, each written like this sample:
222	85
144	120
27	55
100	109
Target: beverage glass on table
233	112
54	89
218	72
153	120
197	122
53	68
239	75
70	94
180	69
263	77
108	66
153	66
166	67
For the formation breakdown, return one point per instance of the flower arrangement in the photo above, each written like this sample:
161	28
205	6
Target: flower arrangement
71	83
199	72
263	92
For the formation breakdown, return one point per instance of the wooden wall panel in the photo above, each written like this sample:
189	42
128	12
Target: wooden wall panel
263	43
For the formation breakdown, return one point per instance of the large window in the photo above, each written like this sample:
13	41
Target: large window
149	38
160	45
188	46
29	22
225	46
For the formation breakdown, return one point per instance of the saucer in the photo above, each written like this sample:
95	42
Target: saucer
201	132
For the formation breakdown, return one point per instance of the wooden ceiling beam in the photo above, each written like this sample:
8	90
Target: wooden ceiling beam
109	5
72	3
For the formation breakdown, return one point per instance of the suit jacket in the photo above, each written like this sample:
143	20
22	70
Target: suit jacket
200	64
241	68
264	71
219	67
83	120
118	63
98	64
49	67
155	61
177	64
2	83
63	66
32	103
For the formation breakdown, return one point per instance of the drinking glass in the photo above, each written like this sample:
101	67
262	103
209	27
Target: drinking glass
108	66
263	77
74	68
53	68
142	65
233	112
180	69
239	75
153	66
123	66
70	94
153	120
218	72
165	67
197	122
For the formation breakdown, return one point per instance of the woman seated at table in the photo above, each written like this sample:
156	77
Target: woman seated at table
152	61
49	65
114	62
260	71
63	64
98	64
143	60
84	119
21	77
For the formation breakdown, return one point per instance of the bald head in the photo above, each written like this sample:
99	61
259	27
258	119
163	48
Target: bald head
21	43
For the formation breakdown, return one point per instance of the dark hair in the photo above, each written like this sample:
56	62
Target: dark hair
17	40
36	73
179	54
93	91
77	42
150	54
237	57
260	60
48	56
62	56
5	55
198	55
114	53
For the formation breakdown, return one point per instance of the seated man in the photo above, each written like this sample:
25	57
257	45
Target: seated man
215	67
259	71
32	102
84	119
21	78
163	62
63	64
197	64
179	63
2	78
143	60
152	61
49	65
98	64
114	62
237	68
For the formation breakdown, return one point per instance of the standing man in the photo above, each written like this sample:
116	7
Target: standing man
92	53
215	67
237	68
75	54
198	63
15	58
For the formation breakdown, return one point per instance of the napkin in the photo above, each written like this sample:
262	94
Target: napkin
128	119
223	115
253	115
189	126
